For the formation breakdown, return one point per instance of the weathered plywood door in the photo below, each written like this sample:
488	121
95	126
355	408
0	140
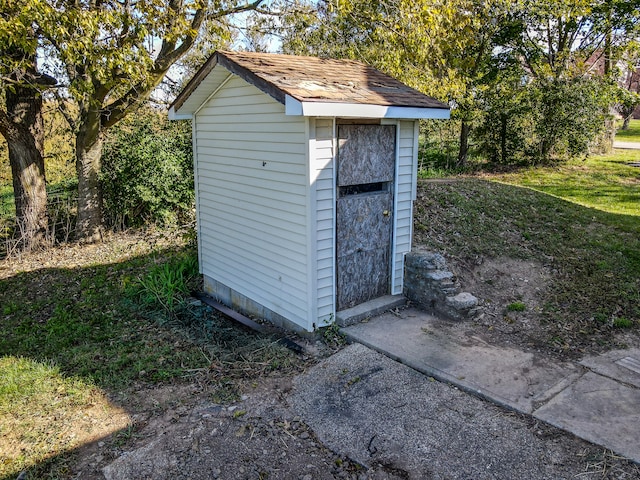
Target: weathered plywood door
366	169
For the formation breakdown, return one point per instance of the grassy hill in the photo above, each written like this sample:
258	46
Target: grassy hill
580	222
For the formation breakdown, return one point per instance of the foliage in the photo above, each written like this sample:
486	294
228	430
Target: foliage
58	148
544	120
627	101
569	116
429	45
333	336
518	74
147	172
504	130
441	49
109	56
168	284
562	38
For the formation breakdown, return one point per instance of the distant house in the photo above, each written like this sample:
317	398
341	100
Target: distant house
305	174
629	78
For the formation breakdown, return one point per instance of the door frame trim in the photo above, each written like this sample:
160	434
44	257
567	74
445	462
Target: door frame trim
393	185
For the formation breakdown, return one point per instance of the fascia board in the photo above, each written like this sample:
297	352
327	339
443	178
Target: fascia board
178	116
357	110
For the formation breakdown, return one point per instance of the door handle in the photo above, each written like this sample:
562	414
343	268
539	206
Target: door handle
386	213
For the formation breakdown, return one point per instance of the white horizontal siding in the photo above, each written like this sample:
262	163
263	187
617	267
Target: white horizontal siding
321	165
262	140
253	199
406	168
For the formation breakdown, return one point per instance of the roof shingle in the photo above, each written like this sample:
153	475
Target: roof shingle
312	79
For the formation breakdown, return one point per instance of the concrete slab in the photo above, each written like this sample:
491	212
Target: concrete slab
622	365
600	410
379	412
369	309
508	376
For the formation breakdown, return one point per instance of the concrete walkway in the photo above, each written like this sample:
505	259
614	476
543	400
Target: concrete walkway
626	145
597	399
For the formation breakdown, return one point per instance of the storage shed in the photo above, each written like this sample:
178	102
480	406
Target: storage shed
305	176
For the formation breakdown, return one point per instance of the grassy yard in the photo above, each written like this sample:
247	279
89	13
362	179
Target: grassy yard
604	182
581	220
630	135
84	328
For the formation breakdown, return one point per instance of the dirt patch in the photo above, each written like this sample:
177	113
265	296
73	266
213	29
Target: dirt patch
179	433
511	294
117	247
178	430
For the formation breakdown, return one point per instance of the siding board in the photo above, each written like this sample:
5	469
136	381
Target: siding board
322	174
253	217
261	143
404	204
252	175
266	205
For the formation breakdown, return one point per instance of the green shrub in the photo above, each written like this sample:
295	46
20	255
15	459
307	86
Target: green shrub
168	284
147	173
543	120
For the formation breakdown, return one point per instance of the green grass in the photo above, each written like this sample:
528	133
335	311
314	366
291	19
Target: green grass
581	220
79	326
516	307
75	318
630	135
38	407
603	182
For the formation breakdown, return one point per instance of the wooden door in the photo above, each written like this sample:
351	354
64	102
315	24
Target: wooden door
364	213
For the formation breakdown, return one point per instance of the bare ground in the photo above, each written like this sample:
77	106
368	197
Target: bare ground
178	433
512	294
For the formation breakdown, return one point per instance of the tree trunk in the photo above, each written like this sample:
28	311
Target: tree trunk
23	128
463	153
89	144
503	138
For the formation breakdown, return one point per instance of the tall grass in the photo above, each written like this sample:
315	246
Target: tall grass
168	284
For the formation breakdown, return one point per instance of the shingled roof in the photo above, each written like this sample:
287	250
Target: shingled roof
311	80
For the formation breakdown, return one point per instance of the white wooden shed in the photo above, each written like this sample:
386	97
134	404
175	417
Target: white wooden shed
305	176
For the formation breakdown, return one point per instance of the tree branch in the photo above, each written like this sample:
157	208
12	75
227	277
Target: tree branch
169	54
64	110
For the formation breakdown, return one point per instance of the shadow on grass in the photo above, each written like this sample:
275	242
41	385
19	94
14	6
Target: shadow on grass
75	342
624	198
